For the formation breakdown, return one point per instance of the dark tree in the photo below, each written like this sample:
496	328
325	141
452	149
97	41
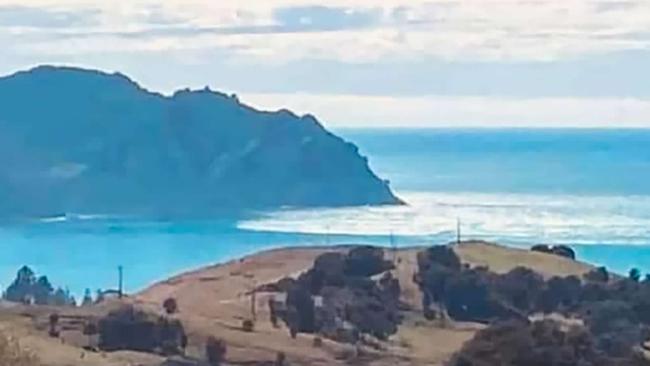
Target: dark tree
61	297
541	248
87	299
599	274
42	291
544	343
215	351
338	298
54	322
520	287
299	299
248	325
635	275
564	251
129	328
366	261
170	305
615	326
273	315
440	255
560	292
90	329
467	298
21	289
559	250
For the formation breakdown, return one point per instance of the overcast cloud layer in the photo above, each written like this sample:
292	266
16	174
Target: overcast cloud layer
363	62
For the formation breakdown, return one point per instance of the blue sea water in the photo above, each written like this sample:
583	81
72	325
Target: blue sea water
586	188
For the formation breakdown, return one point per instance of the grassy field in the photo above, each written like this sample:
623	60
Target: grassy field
214	300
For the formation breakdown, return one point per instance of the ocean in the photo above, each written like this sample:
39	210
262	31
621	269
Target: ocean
586	188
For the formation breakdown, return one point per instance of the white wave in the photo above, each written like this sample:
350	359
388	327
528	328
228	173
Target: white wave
73	217
514	217
53	219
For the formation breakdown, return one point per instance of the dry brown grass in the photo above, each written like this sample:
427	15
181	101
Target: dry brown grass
502	259
213	301
12	354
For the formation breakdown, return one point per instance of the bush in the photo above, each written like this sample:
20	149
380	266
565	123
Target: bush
440	255
559	292
635	275
615	326
248	326
598	275
54	322
366	261
170	305
129	328
215	351
520	287
560	250
545	343
564	251
301	308
467	297
350	300
541	248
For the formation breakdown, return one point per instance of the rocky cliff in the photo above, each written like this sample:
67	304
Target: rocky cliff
81	141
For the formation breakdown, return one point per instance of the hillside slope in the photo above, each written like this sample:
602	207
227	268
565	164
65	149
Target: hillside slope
214	300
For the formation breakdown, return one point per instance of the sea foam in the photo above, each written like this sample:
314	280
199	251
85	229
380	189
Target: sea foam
511	218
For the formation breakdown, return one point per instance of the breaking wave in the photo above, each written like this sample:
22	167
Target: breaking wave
513	218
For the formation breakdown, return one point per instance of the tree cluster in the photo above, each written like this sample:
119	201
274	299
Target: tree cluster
540	343
28	288
340	297
560	250
615	311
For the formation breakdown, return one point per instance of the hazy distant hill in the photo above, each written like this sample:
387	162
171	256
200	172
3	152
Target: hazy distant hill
82	141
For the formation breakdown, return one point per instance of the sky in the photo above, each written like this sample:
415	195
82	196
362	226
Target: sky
363	63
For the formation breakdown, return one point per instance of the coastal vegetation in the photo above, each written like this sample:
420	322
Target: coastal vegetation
28	288
361	303
612	313
340	298
561	250
539	343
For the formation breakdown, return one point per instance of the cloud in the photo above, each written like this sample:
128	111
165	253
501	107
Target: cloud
310	18
615	5
358	30
29	17
472	111
430	62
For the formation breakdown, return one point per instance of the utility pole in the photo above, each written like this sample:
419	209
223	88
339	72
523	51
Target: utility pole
254	302
327	235
120	281
393	246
